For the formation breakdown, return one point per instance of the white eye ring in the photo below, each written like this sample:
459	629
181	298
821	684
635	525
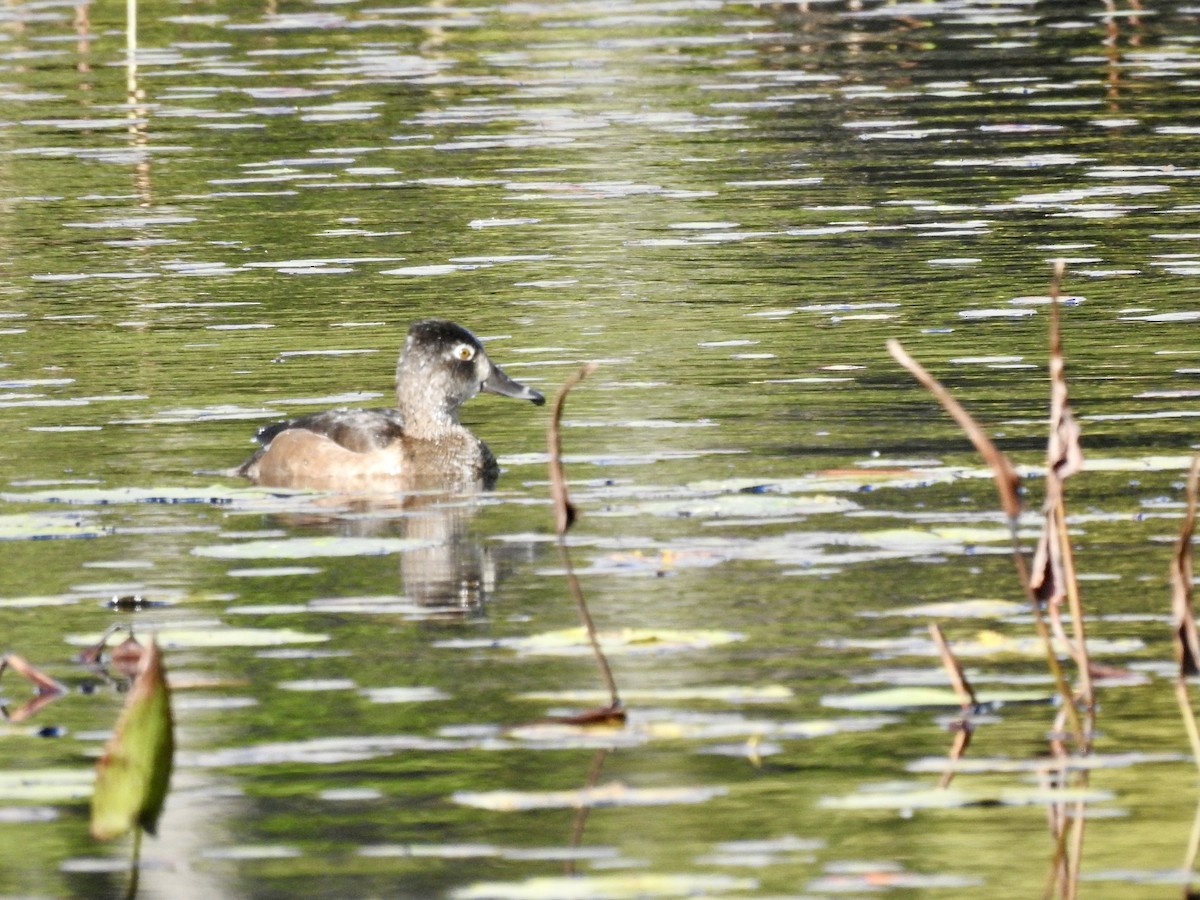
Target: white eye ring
465	352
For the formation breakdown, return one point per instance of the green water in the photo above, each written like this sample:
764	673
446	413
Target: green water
730	207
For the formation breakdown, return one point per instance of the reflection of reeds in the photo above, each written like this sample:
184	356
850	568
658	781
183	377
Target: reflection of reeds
46	688
962	726
564	517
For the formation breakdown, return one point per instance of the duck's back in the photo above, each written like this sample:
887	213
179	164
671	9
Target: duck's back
359	430
366	449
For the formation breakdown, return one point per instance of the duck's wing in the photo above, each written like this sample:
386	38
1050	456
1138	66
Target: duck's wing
359	430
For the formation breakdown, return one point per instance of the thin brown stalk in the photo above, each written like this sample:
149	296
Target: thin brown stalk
564	517
564	510
1065	458
1007	480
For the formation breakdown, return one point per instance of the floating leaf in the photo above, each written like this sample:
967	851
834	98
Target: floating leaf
769	693
46	785
734	506
405	694
44	525
961	609
628	886
133	775
220	494
614	794
1040	796
216	636
573	641
903	796
910	697
977	765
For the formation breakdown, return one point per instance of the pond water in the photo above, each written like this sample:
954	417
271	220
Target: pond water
730	207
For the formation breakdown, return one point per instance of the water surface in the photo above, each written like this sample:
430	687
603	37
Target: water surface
730	207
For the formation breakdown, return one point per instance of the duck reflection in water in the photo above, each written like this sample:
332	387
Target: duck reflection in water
416	460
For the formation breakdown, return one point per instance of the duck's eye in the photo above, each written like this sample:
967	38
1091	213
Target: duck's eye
464	352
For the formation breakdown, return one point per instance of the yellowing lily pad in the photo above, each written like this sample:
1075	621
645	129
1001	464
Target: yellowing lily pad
572	641
991	642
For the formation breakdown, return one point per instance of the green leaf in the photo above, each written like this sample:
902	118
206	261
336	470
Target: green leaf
133	775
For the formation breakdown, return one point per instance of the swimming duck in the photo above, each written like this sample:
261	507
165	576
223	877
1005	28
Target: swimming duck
418	445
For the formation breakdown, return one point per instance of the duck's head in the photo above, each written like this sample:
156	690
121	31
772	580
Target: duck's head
443	366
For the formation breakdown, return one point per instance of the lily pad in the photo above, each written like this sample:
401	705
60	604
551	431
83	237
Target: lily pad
215	636
42	526
46	785
734	506
613	794
901	797
769	693
574	641
219	494
897	698
626	886
405	694
961	609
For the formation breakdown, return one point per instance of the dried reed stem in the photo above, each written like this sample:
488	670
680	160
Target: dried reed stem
1064	458
1007	483
1007	479
564	517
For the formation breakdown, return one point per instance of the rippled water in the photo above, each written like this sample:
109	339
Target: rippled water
730	207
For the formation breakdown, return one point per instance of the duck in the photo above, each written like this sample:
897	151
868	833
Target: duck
418	445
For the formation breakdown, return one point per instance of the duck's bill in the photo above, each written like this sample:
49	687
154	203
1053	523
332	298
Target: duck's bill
499	383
